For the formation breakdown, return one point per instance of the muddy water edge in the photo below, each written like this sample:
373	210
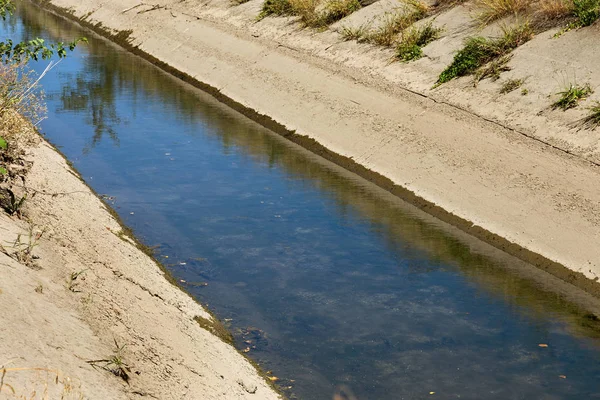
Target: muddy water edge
322	277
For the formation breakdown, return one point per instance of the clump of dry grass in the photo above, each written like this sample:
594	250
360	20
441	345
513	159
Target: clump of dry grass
355	32
335	10
395	23
554	9
511	85
312	13
492	10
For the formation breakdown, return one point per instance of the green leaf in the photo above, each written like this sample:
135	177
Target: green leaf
3	171
3	144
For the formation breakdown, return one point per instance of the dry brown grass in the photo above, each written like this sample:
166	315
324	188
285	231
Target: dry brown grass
554	9
306	10
488	11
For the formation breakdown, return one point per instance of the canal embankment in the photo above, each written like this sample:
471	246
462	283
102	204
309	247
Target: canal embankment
88	314
522	182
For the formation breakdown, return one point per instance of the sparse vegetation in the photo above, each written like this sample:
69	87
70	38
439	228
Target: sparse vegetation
23	249
493	69
414	39
511	85
571	95
357	33
114	364
479	51
72	281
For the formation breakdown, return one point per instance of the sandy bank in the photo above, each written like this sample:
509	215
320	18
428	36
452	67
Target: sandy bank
54	322
532	199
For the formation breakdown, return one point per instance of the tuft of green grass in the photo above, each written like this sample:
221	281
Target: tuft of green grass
479	51
414	39
592	121
511	85
569	98
114	364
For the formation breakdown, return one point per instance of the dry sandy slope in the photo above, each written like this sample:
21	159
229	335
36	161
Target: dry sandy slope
520	189
122	296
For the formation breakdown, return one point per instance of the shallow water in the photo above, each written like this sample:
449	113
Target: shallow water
332	281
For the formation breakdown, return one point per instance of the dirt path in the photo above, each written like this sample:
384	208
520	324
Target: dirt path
528	198
90	291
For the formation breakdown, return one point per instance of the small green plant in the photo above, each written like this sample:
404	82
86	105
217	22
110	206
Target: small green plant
114	364
72	282
569	98
511	85
478	51
23	250
414	39
524	92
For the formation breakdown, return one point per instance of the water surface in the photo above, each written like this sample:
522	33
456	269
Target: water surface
326	279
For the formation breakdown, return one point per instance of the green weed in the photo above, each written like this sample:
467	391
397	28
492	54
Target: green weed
479	51
115	364
569	98
414	39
